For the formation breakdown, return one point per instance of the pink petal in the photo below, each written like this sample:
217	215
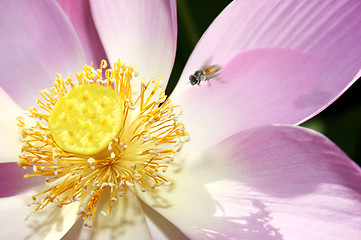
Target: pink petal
12	181
36	42
82	20
272	85
51	223
141	33
10	145
282	63
126	221
273	182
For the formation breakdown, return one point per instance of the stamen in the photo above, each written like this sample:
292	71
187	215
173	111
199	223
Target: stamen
92	136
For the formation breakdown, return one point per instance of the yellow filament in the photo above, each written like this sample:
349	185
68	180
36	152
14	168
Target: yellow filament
93	134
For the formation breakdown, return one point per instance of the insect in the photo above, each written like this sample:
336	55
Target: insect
204	74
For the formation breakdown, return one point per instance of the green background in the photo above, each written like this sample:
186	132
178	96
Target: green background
341	122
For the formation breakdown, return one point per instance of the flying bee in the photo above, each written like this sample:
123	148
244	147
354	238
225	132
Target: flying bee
204	74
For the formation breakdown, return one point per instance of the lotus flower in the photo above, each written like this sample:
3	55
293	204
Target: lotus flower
247	173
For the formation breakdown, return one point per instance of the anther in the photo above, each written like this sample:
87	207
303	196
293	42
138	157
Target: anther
129	184
98	109
91	161
135	72
115	137
27	217
146	138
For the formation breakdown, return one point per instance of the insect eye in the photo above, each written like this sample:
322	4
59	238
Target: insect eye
192	79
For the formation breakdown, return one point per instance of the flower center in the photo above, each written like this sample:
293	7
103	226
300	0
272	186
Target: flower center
96	137
85	120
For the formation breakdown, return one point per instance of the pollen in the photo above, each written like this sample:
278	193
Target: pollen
96	136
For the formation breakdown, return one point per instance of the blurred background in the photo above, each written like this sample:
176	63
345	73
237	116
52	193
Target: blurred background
340	122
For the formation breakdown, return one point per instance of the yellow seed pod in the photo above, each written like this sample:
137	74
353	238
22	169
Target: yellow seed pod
86	113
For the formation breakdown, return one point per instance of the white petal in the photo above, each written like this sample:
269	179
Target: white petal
159	226
141	33
126	221
49	223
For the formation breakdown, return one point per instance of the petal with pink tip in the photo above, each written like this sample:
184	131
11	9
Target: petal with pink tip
36	42
329	31
51	223
12	181
125	222
10	145
272	182
80	16
258	87
324	34
141	33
